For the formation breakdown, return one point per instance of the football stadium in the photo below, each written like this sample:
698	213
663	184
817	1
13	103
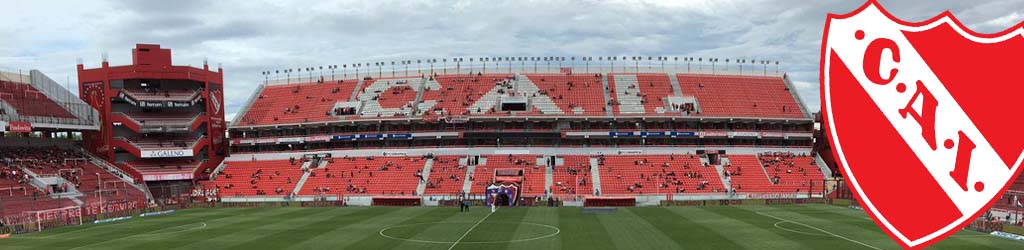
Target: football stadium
483	152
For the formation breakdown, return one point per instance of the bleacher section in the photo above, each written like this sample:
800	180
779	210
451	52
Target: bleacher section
638	94
249	178
163	119
650	174
548	94
792	173
573	178
69	164
459	94
28	101
388	97
741	96
574	94
365	175
297	103
680	174
746	174
162	95
447	176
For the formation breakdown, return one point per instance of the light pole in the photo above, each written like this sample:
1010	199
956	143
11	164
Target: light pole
636	64
713	61
333	67
458	65
288	75
586	60
764	67
675	64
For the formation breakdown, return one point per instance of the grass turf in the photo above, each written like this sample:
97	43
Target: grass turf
734	227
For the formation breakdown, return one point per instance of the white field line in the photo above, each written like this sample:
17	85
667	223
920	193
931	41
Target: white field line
821	230
470	230
147	234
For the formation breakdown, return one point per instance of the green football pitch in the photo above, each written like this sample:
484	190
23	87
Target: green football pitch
732	227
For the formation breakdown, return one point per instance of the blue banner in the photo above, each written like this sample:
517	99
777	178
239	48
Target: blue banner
686	134
618	134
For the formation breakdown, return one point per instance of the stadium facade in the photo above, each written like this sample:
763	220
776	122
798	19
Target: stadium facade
160	121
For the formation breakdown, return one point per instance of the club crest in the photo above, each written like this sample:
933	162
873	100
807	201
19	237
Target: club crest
920	118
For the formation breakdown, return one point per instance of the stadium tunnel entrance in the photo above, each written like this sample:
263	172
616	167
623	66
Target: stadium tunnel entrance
503	194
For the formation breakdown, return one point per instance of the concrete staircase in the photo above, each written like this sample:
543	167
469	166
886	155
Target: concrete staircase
426	176
543	103
372	107
468	184
721	175
428	85
549	179
626	89
117	172
41	183
305	175
609	110
486	102
359	86
595	175
672	79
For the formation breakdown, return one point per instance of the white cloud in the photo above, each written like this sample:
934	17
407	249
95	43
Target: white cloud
1004	21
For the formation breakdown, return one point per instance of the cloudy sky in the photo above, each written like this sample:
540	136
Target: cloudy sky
249	37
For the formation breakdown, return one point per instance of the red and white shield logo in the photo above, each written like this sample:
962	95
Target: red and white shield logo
922	117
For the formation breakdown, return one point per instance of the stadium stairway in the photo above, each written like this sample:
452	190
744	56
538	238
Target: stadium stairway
486	102
427	167
373	106
626	89
549	179
543	103
355	93
305	175
468	184
41	183
7	109
595	173
607	96
721	175
113	170
824	167
675	86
